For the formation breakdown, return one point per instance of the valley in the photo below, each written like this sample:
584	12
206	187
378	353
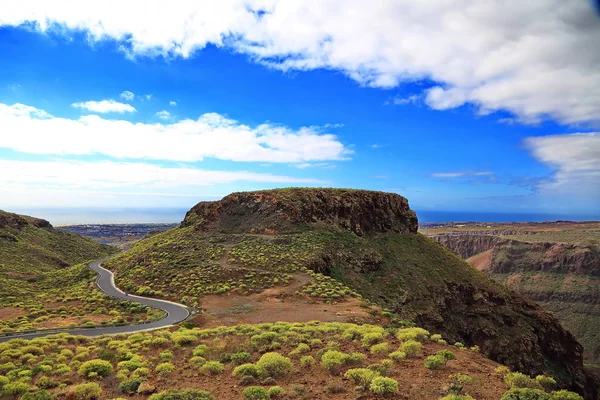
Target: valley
336	285
555	264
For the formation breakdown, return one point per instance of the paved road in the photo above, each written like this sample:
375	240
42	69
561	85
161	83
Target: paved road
175	312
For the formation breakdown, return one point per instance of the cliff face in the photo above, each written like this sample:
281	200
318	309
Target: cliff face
284	210
511	256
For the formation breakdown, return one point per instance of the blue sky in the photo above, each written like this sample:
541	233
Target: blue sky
98	111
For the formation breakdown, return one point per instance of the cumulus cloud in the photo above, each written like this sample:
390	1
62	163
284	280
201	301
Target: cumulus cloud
30	130
105	106
127	95
536	59
172	103
575	158
110	175
164	114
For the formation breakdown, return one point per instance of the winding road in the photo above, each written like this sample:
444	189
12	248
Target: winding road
175	312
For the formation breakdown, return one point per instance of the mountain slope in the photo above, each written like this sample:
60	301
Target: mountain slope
563	277
43	281
263	243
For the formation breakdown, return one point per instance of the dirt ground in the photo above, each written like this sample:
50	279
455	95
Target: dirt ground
8	313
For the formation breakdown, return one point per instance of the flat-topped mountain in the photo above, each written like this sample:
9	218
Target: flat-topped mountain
283	210
281	253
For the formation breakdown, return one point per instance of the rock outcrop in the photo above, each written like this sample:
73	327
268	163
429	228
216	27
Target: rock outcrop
16	221
283	210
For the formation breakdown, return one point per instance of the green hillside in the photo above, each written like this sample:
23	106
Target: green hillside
44	282
335	247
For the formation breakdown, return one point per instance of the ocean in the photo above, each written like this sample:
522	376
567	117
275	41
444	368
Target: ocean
175	215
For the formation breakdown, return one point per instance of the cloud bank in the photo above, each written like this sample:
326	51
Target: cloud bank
537	59
30	130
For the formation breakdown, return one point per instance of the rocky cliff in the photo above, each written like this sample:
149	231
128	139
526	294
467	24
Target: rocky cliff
283	210
511	256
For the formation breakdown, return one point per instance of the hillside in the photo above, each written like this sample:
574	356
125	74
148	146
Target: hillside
43	281
313	360
562	276
347	256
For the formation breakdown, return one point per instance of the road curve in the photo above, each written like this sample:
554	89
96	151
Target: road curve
106	282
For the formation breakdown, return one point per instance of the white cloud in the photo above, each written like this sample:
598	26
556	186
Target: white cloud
109	175
537	58
105	106
127	95
30	130
575	159
164	114
378	146
77	183
461	174
147	97
172	103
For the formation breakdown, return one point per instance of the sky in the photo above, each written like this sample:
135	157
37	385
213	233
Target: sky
458	105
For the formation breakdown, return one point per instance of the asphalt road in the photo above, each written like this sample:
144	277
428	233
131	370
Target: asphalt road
105	281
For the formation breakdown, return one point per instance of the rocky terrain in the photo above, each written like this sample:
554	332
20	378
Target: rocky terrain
332	246
563	275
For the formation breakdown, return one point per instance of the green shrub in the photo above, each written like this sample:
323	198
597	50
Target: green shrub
458	382
85	391
166	355
446	355
522	381
547	382
246	370
371	338
383	386
380	349
439	359
255	393
565	395
302	348
200	350
333	360
212	368
502	370
434	362
130	386
37	395
191	394
411	348
306	361
417	334
198	361
459	345
273	364
98	367
275	392
15	388
361	376
3	381
240	357
457	397
397	355
44	383
164	368
526	394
